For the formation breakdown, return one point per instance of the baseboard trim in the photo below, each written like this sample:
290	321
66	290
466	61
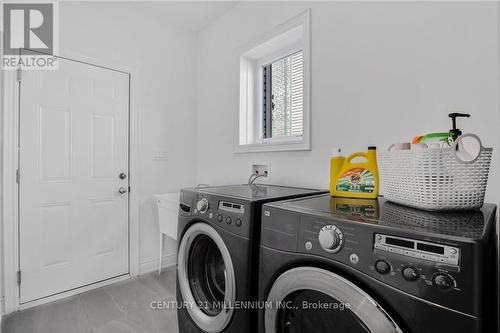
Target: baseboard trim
152	265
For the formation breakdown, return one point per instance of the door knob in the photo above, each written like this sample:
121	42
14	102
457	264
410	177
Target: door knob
122	175
122	190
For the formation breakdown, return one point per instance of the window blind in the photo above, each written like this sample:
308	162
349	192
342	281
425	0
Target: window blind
297	94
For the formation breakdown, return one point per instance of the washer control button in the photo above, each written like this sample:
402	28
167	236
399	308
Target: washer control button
229	220
410	274
220	218
443	281
382	266
354	258
238	222
381	247
395	250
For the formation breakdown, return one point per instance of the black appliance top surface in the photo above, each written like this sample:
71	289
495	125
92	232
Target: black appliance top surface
258	192
475	224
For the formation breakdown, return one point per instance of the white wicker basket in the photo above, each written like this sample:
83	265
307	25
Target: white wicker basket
435	179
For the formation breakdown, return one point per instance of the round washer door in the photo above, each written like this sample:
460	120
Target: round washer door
316	300
206	277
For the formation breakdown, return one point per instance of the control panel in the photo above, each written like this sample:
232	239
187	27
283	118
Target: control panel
227	214
232	207
425	267
418	249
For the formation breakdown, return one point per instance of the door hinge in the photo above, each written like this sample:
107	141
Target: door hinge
18	278
19	75
129	189
18	176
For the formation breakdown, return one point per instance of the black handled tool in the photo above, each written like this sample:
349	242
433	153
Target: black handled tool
455	132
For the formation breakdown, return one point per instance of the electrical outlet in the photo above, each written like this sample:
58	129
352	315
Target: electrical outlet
261	169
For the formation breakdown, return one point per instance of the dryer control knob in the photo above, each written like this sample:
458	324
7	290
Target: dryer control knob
330	238
410	273
443	281
382	266
202	205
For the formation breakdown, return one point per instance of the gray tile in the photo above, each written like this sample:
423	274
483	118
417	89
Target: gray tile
121	307
133	322
163	286
131	296
100	307
165	320
19	322
169	277
65	316
123	325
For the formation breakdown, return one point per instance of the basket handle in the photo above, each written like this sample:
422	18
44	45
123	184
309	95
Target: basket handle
456	152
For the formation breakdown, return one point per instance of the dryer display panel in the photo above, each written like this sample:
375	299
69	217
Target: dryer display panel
232	207
418	249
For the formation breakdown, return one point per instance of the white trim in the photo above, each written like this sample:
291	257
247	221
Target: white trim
252	103
286	145
10	164
10	192
280	54
152	265
2	95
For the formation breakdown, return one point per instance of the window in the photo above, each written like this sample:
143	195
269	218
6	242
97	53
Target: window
274	90
283	91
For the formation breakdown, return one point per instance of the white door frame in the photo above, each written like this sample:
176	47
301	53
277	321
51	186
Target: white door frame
10	204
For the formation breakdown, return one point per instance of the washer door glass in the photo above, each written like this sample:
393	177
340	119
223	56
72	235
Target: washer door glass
313	311
207	274
206	277
309	299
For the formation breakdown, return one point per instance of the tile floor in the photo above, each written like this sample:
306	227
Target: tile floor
120	307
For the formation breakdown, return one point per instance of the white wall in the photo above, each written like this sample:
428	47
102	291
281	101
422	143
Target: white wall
381	73
165	60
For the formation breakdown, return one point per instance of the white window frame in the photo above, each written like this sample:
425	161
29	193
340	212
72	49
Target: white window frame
249	126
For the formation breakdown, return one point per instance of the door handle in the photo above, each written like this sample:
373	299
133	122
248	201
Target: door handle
122	175
122	190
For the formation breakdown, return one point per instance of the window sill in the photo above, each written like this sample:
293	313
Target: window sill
285	145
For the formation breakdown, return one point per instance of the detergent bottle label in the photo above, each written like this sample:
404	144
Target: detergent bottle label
356	180
357	210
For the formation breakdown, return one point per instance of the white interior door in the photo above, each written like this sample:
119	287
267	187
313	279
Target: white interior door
73	220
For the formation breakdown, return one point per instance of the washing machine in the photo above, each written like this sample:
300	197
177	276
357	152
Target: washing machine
219	229
349	266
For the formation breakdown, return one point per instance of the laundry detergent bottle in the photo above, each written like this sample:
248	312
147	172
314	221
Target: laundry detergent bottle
355	179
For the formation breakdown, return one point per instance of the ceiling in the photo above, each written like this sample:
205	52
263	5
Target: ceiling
189	15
